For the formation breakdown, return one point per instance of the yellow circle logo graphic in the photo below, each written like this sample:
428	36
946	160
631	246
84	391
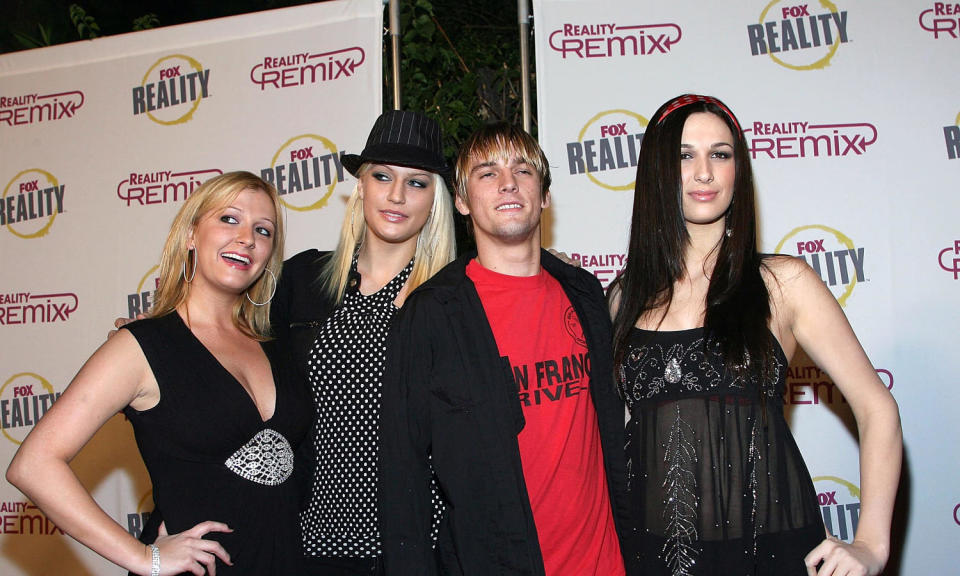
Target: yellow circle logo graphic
31	202
790	33
24	399
607	149
830	253
839	502
309	166
171	90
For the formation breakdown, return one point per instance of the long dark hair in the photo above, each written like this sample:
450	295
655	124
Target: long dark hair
737	307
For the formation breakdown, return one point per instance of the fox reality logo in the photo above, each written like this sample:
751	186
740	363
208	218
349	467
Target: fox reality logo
161	187
137	520
141	301
943	18
610	40
24	399
607	149
951	137
808	385
304	68
31	202
28	308
795	37
36	108
807	140
171	90
831	254
839	502
606	267
305	170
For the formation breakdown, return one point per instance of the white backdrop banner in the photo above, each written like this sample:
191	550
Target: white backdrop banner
100	142
851	114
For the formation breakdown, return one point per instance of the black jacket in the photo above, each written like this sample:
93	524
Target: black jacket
449	394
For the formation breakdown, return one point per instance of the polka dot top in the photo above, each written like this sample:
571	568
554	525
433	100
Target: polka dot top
345	370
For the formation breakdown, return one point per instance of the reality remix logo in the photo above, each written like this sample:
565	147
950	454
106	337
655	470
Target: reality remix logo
612	40
799	36
607	148
808	385
24	399
31	202
833	256
949	259
162	186
35	108
306	169
21	517
29	308
304	68
605	266
805	139
171	90
839	502
942	19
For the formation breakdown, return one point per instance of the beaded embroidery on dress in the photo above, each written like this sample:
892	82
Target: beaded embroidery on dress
266	459
717	483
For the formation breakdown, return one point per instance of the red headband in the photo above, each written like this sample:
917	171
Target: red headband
694	98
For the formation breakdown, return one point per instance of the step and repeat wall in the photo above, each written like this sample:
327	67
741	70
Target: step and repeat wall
851	111
100	142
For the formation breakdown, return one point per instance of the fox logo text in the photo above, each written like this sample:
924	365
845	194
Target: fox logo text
31	202
607	148
840	505
797	36
24	399
305	170
831	254
172	89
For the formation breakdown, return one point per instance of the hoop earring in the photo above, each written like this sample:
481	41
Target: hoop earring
271	293
183	267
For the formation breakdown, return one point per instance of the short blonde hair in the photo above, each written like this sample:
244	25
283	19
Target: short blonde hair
215	194
436	243
500	141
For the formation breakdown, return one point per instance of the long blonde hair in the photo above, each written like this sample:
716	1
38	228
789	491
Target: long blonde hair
436	242
215	194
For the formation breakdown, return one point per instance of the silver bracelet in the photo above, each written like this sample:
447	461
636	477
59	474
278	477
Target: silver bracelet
154	560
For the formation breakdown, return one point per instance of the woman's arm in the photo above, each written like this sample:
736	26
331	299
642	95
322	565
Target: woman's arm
115	376
807	312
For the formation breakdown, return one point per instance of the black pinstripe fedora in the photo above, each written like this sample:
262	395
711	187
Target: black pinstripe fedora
403	138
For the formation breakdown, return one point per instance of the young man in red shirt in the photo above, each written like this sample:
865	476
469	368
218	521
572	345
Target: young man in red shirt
499	379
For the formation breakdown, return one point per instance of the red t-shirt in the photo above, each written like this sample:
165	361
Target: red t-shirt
538	330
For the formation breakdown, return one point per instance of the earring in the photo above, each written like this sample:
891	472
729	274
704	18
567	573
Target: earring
271	293
183	267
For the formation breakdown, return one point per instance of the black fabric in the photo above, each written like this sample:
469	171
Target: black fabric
716	480
203	417
405	138
447	392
